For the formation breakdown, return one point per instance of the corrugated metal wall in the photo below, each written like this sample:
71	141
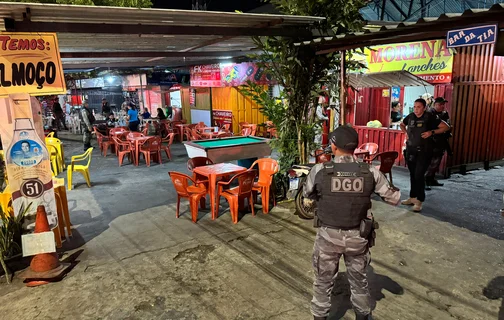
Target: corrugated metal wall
244	109
477	110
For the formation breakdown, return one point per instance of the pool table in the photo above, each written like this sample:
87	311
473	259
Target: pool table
228	149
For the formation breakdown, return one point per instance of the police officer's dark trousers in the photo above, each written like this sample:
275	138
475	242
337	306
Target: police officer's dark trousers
330	245
418	160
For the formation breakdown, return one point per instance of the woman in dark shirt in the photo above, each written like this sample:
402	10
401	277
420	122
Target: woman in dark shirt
160	114
396	115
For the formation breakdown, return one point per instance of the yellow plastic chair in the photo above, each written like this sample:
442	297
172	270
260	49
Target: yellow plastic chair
59	148
50	134
53	154
6	200
83	169
62	205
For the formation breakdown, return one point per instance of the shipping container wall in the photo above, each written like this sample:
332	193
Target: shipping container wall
380	106
244	109
362	100
477	110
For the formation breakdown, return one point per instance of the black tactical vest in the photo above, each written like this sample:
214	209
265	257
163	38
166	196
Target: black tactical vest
345	197
417	126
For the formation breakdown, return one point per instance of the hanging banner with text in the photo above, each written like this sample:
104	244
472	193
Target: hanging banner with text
206	76
222	117
430	60
30	63
471	36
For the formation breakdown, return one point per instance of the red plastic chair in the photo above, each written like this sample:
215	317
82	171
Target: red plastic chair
151	146
387	160
372	148
236	196
225	127
103	142
195	135
322	157
267	169
198	162
122	148
167	148
194	193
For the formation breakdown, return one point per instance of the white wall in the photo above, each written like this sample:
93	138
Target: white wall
175	99
413	93
201	115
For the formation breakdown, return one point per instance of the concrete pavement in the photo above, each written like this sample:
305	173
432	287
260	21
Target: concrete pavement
137	261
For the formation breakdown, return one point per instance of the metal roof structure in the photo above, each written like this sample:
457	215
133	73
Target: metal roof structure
93	36
411	10
380	32
385	79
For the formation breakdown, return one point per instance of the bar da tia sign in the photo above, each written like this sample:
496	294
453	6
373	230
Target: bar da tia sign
471	36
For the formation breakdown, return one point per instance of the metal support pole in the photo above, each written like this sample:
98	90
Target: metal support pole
342	87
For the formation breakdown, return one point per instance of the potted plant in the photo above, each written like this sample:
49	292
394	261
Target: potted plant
10	235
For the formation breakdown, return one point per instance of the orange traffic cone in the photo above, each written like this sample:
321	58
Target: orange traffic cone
44	267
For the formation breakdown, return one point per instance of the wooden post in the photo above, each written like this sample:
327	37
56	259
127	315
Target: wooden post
342	87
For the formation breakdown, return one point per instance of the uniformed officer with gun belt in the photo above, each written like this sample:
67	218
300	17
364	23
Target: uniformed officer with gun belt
342	190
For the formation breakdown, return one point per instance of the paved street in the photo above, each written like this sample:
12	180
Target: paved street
137	261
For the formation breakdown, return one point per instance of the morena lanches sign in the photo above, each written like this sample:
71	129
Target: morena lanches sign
30	63
429	60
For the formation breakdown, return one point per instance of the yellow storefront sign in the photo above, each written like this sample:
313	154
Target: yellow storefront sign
30	63
430	60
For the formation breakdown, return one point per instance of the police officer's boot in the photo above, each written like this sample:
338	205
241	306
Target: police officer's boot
319	318
363	317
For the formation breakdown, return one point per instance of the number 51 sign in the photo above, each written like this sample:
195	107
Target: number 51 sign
26	158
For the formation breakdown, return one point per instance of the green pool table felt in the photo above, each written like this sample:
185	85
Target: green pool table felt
226	143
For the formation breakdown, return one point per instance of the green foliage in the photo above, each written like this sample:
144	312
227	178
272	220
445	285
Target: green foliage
112	3
301	71
10	235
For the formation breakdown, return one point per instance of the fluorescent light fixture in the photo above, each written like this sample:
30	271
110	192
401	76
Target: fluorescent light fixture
167	21
110	79
228	57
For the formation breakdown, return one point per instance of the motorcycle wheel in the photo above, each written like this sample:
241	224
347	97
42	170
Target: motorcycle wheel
305	212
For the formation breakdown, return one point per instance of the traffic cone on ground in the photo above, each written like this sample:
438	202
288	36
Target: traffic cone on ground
44	267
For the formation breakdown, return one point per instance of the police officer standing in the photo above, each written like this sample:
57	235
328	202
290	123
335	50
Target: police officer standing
342	190
440	143
421	127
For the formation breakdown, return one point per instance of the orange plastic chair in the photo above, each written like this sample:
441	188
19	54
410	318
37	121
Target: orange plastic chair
195	135
187	134
225	127
253	128
267	169
236	196
246	131
151	146
122	148
194	193
115	131
167	148
387	160
103	142
134	134
372	148
198	162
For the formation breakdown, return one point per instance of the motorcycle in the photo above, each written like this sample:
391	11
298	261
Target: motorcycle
297	176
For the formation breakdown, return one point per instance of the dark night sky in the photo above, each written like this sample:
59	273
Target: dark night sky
212	5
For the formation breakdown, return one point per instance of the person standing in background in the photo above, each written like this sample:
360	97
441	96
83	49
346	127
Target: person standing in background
59	115
105	107
440	143
321	117
87	119
132	118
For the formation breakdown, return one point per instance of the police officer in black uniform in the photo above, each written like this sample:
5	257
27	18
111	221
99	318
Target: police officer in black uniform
421	127
342	190
441	144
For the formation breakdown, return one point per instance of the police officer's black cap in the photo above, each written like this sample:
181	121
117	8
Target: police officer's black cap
440	100
345	138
